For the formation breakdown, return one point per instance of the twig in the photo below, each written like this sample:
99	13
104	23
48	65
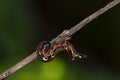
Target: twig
58	39
18	66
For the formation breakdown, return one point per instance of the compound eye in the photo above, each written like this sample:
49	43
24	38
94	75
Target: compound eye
47	46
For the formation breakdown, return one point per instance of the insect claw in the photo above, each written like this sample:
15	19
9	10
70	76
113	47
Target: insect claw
80	56
83	56
73	59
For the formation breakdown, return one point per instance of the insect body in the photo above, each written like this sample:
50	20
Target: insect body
47	51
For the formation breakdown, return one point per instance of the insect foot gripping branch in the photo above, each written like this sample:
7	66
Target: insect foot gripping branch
47	51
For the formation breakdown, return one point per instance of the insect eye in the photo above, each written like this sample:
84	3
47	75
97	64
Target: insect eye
47	46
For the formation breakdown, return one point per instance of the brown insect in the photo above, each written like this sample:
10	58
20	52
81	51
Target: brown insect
47	51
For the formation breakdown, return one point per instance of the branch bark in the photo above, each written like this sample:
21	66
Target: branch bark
58	39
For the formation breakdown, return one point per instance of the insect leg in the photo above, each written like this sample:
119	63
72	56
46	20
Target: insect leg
55	50
71	50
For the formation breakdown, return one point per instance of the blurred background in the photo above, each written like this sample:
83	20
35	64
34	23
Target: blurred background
25	23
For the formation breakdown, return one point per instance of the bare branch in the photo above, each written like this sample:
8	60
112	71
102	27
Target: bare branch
18	66
58	39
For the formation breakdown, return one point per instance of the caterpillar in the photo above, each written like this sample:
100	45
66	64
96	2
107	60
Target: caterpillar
47	51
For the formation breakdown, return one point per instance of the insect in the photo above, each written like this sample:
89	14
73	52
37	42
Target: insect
47	51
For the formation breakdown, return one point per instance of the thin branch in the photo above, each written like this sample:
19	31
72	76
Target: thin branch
18	66
58	39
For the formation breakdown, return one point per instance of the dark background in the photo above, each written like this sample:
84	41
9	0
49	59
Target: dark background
25	23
